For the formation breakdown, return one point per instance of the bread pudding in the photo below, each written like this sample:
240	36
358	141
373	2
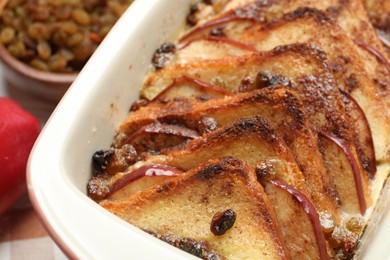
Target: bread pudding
260	133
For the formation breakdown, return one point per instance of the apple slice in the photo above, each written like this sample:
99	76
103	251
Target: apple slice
382	59
362	131
189	87
210	48
156	136
207	28
141	179
344	171
220	39
298	221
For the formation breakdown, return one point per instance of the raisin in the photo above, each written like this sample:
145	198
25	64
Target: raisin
101	158
166	47
191	18
162	55
121	159
97	189
53	25
222	222
263	80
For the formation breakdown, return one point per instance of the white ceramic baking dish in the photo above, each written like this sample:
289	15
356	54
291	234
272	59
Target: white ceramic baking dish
85	121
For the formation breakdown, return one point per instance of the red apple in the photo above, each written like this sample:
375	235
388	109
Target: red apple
18	132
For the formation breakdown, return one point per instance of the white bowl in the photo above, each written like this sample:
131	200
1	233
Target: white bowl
85	121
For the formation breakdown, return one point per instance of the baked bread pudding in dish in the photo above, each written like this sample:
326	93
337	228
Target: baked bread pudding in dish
261	132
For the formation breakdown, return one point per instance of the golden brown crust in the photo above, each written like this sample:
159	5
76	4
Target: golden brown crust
310	75
321	98
250	139
255	218
315	83
276	127
312	61
349	63
279	105
345	62
350	16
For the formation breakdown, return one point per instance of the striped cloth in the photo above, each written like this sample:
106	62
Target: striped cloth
23	237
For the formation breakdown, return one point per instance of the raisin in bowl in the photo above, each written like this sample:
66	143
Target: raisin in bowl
45	44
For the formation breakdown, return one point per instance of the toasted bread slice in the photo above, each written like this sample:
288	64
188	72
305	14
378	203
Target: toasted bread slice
185	206
301	66
350	15
302	25
250	139
344	79
349	70
307	71
352	18
279	105
238	140
322	100
288	204
287	65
